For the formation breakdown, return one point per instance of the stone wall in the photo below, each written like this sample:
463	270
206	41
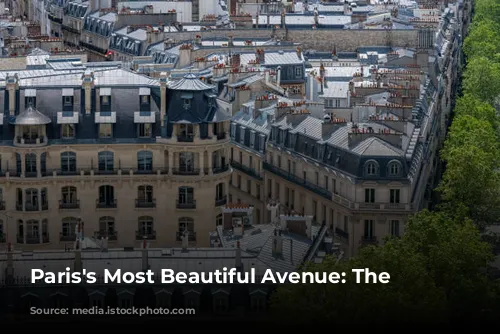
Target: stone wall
320	40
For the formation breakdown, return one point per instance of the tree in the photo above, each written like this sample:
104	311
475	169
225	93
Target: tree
435	273
482	40
482	79
472	106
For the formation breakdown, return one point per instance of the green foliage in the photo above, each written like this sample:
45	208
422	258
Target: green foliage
482	40
482	79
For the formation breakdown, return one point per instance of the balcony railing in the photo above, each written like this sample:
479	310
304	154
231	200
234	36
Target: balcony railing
247	170
221	201
221	169
191	236
369	240
185	171
142	203
186	205
31	207
185	139
70	29
111	204
93	48
111	235
107	171
341	233
141	235
298	181
55	18
32	239
67	237
69	205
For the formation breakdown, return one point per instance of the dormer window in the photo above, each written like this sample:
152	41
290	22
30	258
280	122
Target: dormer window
394	168
67	100
30	101
105	100
145	94
187	103
144	99
371	168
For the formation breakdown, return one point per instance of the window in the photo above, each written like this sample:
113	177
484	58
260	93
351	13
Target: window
67	100
394	168
146	226
250	162
106	161
186	195
257	191
186	161
106	196
326	182
145	161
187	103
218	220
239	181
105	130
252	139
106	226
249	186
30	101
371	169
186	224
145	130
369	229
30	163
219	191
394	196
317	178
68	131
242	134
31	202
68	162
144	99
105	100
2	232
145	194
68	195
241	158
369	195
395	228
298	72
69	226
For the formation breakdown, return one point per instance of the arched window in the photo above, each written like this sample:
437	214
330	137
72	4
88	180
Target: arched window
68	162
394	168
30	164
107	227
371	168
106	161
31	201
144	161
68	197
186	226
145	196
186	195
68	232
146	228
106	197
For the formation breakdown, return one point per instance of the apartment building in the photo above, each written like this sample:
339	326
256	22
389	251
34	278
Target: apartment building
125	157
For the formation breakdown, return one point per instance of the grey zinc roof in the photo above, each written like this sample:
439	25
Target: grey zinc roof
258	124
310	127
30	116
274	58
190	82
335	89
376	147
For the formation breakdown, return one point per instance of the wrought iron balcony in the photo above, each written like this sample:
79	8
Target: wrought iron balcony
186	205
143	203
141	235
30	207
69	205
91	47
70	29
67	237
106	171
298	181
191	236
247	170
185	139
221	169
32	239
221	201
111	204
54	18
111	235
185	171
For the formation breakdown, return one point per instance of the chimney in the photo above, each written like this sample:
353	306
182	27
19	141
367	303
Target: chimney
197	40
12	85
299	53
149	34
316	17
278	77
312	82
88	84
277	244
238	256
334	53
9	271
230	42
78	265
260	56
145	255
163	97
185	52
185	241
